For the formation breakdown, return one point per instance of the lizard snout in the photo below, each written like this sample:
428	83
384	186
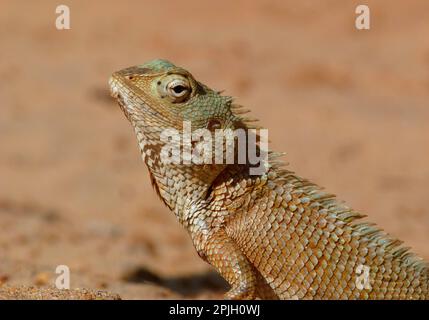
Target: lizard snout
114	92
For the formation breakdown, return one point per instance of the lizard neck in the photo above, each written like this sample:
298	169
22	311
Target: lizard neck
183	188
180	186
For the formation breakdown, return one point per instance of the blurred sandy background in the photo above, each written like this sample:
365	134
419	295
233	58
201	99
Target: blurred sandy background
350	108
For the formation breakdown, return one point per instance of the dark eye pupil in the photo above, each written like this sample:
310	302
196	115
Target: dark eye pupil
179	89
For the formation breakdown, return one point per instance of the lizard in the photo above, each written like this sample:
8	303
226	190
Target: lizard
270	236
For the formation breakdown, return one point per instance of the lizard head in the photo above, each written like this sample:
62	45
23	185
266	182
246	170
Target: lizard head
159	94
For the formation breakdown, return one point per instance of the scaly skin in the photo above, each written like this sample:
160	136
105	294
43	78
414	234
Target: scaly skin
270	236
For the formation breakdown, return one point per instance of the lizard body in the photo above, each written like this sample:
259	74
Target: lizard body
274	235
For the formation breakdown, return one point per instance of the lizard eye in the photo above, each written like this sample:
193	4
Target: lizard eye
179	89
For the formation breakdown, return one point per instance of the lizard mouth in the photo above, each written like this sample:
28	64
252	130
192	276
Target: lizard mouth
115	92
113	85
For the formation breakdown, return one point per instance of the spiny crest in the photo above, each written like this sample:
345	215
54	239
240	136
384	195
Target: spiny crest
238	110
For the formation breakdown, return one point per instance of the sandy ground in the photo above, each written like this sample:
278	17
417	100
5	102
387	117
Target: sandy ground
349	107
